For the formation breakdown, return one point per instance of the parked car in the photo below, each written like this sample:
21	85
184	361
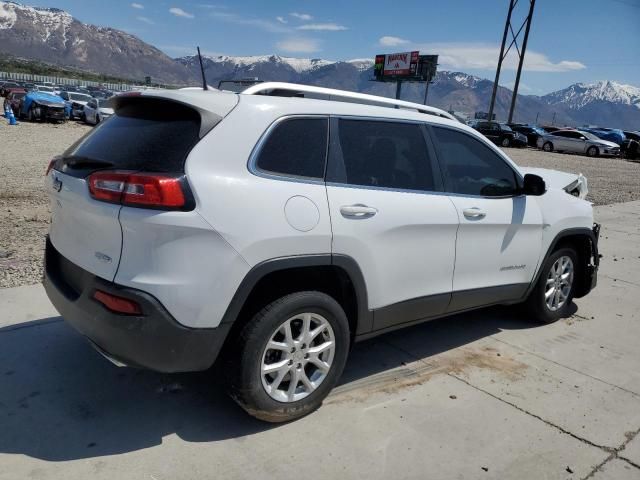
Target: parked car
530	131
44	89
13	99
501	134
6	86
630	148
40	106
96	110
610	134
75	104
577	141
287	248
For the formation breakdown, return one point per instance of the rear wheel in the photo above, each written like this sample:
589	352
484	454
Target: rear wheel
506	142
551	298
547	147
592	152
289	356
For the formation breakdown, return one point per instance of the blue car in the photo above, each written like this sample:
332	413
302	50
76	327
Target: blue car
41	106
610	134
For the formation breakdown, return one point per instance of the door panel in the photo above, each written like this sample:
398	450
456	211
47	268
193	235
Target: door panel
406	250
500	245
387	216
500	233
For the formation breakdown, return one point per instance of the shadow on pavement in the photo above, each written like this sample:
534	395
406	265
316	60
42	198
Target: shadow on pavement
60	400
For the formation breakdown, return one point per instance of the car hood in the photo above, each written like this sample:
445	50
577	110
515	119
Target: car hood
605	143
575	184
46	99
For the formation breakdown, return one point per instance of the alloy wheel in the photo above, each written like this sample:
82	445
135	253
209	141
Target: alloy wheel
298	357
559	283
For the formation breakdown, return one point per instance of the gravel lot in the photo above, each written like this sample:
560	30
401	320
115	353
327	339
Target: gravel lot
24	213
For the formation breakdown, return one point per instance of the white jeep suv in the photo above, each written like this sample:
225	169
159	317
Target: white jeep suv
271	232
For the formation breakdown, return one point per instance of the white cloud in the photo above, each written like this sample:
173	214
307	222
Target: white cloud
281	19
139	6
331	27
266	25
485	57
146	20
178	12
301	16
299	45
389	41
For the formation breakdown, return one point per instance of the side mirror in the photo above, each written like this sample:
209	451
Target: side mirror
533	185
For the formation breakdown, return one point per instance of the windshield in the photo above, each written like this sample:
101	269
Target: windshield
506	128
538	130
590	136
79	96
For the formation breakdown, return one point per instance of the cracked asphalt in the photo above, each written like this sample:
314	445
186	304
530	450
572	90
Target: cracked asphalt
481	395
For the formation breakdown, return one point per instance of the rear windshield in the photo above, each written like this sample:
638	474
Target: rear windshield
148	134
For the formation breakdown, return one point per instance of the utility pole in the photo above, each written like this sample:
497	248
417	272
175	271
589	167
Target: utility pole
426	92
532	4
398	89
504	52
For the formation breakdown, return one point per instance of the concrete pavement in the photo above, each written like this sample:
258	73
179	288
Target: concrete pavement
480	395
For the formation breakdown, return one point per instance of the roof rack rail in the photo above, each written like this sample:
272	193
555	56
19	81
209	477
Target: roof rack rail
294	88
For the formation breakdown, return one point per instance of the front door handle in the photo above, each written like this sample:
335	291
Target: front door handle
358	211
473	213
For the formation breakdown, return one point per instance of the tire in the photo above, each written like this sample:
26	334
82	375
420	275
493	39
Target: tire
30	115
592	152
97	120
547	147
538	305
270	397
505	142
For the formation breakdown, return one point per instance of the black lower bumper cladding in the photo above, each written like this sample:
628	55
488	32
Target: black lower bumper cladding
153	340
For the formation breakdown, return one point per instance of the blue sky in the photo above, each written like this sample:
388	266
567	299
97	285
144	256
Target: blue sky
570	40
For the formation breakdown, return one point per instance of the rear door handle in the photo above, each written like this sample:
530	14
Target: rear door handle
358	211
473	213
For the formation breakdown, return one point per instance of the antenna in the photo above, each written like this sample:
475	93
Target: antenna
204	80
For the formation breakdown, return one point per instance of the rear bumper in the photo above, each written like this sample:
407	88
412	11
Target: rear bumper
153	340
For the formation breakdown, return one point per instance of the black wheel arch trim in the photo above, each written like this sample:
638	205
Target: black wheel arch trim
592	234
346	263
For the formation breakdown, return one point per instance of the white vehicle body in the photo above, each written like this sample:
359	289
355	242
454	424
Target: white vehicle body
411	254
95	111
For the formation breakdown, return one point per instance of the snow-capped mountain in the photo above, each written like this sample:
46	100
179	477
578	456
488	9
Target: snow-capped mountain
54	36
579	95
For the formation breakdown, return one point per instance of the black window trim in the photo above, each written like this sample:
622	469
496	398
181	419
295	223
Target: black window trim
252	163
519	179
435	167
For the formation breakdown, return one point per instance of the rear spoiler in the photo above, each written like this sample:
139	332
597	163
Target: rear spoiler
208	118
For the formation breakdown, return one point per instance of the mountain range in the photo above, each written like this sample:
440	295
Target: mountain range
54	36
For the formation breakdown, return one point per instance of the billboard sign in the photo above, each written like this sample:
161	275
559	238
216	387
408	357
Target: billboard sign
400	64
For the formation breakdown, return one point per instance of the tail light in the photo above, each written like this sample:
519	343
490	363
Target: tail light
117	304
147	190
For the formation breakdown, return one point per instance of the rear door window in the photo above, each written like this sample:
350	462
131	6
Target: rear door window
470	167
148	134
381	154
295	147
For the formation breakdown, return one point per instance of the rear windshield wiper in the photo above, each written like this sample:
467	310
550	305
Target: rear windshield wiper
84	162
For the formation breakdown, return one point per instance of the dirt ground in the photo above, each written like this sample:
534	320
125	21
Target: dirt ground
26	149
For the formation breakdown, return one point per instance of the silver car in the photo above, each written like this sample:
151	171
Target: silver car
97	110
577	141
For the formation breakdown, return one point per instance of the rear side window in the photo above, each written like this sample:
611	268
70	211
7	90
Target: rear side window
381	154
470	167
295	147
145	134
